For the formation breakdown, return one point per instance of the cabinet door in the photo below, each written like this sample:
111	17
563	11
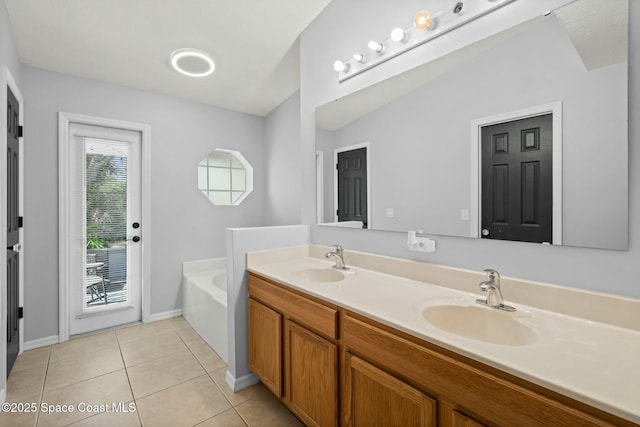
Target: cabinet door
265	345
461	420
311	370
373	398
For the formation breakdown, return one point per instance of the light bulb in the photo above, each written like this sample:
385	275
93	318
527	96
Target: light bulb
340	66
375	46
398	35
359	57
422	20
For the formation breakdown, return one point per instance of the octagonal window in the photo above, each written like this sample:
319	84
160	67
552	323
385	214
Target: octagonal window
225	177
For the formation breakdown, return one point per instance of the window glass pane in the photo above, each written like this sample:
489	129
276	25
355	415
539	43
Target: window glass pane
219	179
219	159
236	164
220	197
237	180
202	177
105	202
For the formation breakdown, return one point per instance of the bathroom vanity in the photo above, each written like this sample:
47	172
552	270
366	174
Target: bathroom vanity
363	347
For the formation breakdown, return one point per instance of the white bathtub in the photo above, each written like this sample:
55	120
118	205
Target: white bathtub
204	301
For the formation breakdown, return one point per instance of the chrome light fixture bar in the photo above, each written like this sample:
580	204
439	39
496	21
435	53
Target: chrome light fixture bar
426	27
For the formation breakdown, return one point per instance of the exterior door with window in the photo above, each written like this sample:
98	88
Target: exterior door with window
106	229
517	180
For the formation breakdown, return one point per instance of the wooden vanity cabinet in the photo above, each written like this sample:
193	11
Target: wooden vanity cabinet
298	344
468	393
293	350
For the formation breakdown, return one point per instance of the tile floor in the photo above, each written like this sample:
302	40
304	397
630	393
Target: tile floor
152	375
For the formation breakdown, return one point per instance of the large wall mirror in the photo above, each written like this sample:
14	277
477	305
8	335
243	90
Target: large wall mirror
422	151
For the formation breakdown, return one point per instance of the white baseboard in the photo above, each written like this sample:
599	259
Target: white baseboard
40	342
237	384
165	315
54	339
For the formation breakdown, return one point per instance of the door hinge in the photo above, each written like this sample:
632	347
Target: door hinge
20	312
337	212
337	166
20	221
20	130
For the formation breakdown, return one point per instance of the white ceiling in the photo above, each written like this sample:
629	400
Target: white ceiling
128	42
598	29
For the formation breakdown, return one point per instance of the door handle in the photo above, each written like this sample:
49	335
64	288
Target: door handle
15	248
485	232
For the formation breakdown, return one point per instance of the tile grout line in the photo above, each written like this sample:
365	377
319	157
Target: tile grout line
246	422
44	382
158	358
208	374
126	371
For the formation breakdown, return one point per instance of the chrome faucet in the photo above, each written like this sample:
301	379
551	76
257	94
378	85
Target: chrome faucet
339	256
494	297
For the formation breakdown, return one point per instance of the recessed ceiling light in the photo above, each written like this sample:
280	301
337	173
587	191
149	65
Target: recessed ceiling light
192	62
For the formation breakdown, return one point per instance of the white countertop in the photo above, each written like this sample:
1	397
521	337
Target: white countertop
592	362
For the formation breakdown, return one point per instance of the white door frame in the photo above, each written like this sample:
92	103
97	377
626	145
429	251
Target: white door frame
7	81
64	214
338	150
555	108
319	187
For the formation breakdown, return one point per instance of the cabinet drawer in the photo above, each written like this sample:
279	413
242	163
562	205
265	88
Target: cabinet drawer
316	316
492	398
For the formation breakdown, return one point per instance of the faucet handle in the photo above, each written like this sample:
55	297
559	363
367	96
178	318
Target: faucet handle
492	275
338	248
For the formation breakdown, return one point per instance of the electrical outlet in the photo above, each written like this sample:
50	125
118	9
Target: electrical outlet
423	244
390	213
464	214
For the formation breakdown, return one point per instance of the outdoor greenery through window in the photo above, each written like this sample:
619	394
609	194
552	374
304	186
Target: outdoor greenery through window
106	221
106	201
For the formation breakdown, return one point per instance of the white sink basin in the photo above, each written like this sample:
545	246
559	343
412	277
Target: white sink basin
480	323
322	275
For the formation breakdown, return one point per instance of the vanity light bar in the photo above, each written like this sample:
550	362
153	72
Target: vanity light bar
401	41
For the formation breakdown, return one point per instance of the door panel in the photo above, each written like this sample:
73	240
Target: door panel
352	186
13	229
517	192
